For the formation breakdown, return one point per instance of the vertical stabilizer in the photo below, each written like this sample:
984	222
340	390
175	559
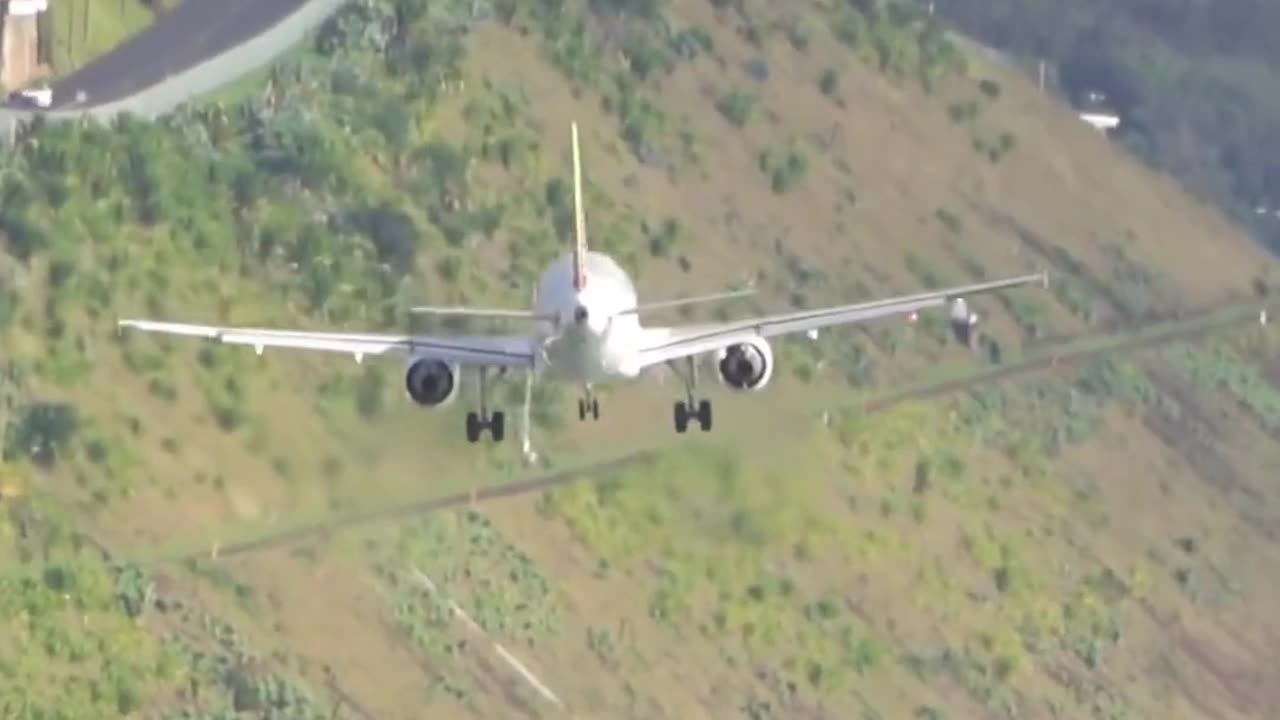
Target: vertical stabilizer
579	222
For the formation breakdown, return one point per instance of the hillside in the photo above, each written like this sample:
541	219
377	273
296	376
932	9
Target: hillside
83	30
1092	541
1193	82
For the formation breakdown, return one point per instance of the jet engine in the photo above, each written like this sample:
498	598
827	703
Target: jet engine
964	324
431	382
746	366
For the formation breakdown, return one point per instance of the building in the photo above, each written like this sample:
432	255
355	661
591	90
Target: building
1104	121
20	42
1093	109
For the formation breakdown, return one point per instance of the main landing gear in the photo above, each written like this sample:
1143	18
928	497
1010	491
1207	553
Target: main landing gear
689	409
477	423
588	404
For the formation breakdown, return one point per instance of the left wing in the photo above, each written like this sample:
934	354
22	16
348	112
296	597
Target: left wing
506	351
663	344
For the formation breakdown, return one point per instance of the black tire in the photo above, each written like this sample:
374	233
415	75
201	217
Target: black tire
595	408
498	426
680	414
473	427
582	409
704	415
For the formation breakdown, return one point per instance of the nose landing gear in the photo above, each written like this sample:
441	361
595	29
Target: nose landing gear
588	404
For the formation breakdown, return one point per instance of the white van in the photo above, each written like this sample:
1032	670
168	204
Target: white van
41	97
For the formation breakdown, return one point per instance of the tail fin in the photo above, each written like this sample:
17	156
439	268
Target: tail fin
580	223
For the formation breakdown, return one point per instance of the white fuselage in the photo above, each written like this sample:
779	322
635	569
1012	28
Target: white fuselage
589	334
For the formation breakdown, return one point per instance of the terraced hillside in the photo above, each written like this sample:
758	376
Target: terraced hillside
1093	541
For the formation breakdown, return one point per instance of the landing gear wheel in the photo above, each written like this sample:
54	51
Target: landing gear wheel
704	415
478	422
588	405
685	409
680	415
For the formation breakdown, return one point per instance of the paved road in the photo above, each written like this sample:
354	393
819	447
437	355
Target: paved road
182	38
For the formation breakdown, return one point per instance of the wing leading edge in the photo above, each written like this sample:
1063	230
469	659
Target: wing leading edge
670	343
509	351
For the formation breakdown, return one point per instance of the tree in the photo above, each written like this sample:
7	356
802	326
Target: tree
393	233
394	122
41	432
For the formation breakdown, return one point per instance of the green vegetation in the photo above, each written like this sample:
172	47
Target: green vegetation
900	39
503	591
737	107
91	639
784	166
1224	369
1017	550
82	30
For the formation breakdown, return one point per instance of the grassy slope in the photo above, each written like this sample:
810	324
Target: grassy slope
85	29
935	557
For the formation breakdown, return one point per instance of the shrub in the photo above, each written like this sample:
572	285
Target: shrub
785	168
737	107
829	82
42	431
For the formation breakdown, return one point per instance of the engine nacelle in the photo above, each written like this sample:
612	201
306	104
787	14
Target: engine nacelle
431	382
746	366
964	324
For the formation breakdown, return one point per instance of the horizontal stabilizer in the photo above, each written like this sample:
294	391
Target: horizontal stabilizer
697	300
473	312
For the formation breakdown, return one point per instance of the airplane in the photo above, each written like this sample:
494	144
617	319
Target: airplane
586	330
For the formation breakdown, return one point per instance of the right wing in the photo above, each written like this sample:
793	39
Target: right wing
505	351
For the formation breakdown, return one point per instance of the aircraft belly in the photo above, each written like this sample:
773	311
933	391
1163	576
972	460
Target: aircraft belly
581	358
571	358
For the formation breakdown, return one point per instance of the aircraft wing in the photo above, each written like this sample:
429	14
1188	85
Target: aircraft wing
508	351
670	343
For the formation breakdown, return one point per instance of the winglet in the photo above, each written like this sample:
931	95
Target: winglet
580	223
